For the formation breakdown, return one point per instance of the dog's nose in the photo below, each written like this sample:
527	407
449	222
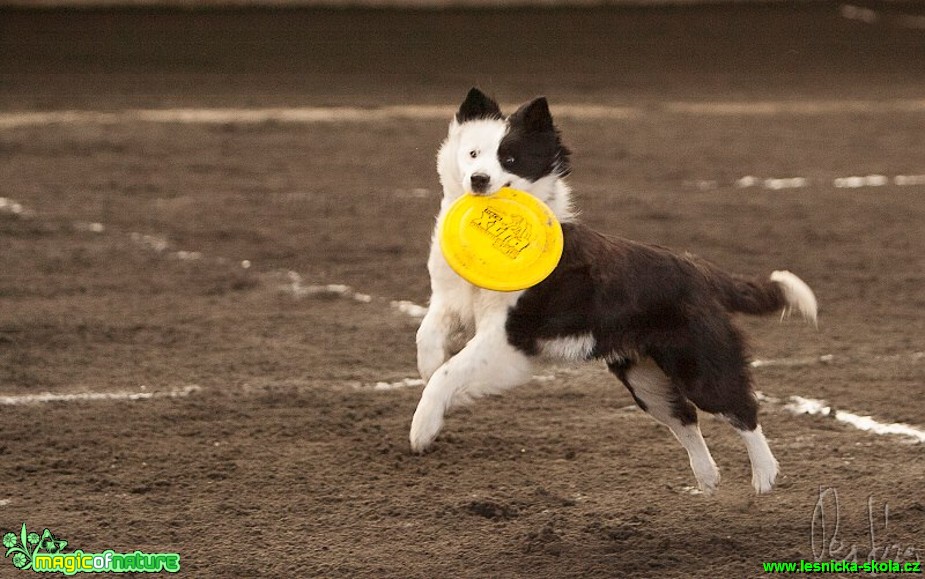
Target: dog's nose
479	182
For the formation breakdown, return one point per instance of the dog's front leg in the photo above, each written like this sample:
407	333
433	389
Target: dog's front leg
488	364
432	338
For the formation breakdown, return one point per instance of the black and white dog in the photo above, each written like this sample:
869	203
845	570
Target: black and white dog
659	320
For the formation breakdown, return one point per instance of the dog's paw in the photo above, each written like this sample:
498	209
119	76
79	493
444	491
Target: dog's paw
707	474
709	481
425	426
763	478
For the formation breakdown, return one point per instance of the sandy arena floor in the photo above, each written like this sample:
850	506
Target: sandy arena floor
254	419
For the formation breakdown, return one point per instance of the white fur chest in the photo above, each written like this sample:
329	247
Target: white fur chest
473	305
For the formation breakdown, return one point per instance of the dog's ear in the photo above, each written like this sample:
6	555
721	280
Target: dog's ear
478	106
534	116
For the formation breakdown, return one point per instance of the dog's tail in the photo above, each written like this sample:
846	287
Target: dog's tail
783	292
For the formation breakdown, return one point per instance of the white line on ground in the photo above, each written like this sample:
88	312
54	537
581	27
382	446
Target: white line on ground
314	115
799	405
404	383
13	207
298	289
161	245
785	183
410	308
831	358
802	108
856	182
419	383
781	183
793	362
858	13
869	16
903	180
14	400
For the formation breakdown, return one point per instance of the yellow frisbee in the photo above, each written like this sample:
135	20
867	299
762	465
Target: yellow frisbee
507	241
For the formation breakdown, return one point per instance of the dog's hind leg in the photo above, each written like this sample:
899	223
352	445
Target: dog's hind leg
740	407
654	392
725	389
764	465
488	364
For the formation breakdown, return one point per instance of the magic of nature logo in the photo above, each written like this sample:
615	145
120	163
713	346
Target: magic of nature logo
45	553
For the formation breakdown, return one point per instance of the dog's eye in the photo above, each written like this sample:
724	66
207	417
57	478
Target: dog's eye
474	153
508	161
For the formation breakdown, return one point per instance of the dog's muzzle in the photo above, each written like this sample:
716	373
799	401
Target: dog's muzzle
479	183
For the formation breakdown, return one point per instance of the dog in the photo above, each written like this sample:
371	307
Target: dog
659	320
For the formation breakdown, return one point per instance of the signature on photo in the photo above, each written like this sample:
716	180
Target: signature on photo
827	542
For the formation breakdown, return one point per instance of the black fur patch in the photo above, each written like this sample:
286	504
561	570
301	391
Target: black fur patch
478	106
643	300
533	147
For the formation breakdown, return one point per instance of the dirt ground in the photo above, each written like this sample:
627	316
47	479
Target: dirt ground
278	456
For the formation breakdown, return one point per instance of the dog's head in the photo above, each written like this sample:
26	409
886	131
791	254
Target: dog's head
485	151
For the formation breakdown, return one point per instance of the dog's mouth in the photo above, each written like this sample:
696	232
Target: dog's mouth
488	193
